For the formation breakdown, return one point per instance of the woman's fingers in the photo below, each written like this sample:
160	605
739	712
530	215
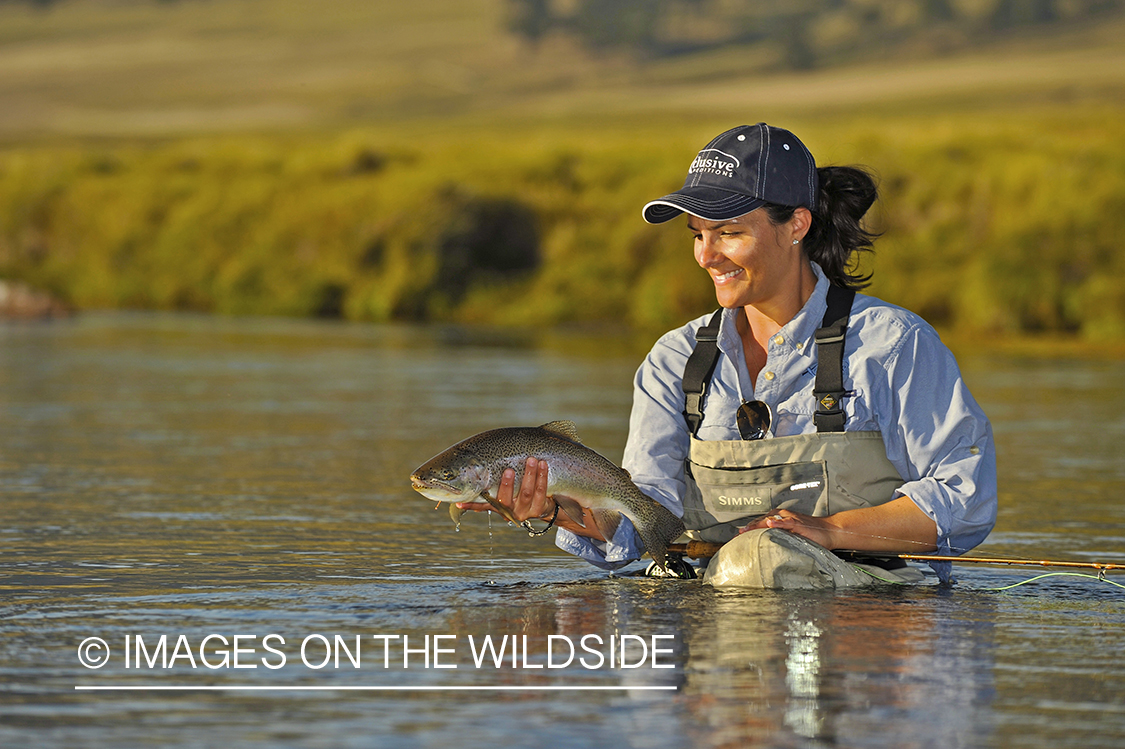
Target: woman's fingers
774	520
505	492
530	501
533	501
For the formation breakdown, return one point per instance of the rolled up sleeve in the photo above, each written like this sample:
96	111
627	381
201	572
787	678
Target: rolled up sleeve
614	554
941	442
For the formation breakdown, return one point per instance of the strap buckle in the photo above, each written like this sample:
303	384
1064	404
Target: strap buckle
830	334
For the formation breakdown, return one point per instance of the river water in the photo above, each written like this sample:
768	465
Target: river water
239	488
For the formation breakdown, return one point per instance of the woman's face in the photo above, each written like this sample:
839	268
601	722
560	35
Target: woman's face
750	260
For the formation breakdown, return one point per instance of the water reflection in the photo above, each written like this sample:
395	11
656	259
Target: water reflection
839	668
802	678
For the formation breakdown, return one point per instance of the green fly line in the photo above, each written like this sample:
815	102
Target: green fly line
1099	578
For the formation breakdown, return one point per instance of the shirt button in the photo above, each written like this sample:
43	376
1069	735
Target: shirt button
769	375
800	345
779	339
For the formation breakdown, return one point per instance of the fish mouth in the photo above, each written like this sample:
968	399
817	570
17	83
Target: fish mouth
435	490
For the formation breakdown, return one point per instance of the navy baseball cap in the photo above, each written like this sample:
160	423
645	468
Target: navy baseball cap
739	171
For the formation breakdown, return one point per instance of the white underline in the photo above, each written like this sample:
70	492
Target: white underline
484	688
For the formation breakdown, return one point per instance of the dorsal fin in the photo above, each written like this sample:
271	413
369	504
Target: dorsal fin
563	428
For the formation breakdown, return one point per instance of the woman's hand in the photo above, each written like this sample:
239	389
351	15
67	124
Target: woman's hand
532	502
898	525
817	530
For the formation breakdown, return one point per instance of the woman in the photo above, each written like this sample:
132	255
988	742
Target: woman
858	432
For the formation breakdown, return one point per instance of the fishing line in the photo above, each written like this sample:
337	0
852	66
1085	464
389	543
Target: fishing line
1098	578
869	573
1055	574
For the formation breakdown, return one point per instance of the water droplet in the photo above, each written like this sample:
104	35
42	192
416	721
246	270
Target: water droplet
491	554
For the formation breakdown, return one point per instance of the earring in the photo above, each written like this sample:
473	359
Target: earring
796	241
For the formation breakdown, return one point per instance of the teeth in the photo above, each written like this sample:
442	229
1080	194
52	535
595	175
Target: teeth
731	274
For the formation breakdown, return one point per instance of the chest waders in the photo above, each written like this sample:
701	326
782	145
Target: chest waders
731	482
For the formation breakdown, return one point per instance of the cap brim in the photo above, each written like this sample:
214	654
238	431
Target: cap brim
705	202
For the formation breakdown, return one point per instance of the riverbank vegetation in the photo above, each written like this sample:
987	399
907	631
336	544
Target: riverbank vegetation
1003	177
1008	228
797	35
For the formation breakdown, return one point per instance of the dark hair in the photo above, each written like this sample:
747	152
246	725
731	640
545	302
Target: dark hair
836	236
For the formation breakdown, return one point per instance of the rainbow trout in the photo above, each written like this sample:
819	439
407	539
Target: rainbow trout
577	478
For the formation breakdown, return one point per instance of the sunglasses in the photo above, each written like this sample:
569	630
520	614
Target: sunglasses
754	419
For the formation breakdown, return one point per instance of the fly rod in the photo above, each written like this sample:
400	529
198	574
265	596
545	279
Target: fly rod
700	549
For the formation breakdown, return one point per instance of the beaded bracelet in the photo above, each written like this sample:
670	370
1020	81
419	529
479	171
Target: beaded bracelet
532	532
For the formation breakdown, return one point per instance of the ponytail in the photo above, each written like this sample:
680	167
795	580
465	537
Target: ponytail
837	236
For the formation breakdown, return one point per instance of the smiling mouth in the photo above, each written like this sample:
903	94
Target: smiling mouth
724	277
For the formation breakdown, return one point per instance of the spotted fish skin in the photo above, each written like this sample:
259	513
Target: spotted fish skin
577	478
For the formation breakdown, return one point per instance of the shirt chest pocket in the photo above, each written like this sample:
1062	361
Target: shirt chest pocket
794	415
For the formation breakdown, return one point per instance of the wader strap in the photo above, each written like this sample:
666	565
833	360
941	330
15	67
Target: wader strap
829	386
697	372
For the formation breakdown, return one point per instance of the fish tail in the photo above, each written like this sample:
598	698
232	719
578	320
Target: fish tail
657	536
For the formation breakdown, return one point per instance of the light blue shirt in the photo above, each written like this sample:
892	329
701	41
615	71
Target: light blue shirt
902	381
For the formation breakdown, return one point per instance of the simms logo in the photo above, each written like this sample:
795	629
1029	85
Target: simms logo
741	501
714	161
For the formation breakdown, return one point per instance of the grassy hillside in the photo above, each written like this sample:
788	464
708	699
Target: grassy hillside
382	161
129	68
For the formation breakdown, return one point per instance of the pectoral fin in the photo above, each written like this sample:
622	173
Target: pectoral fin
607	522
571	507
501	509
455	512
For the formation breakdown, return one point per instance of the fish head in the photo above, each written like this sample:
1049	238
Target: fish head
456	475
